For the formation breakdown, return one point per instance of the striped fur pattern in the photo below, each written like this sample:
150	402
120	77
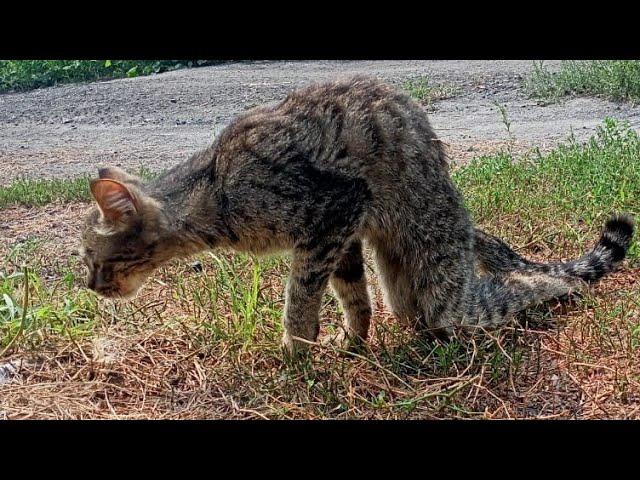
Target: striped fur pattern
496	257
327	169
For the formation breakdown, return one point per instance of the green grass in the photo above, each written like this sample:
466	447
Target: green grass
227	296
34	193
29	74
32	310
30	193
427	93
571	186
613	79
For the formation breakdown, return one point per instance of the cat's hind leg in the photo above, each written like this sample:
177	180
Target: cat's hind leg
349	283
396	282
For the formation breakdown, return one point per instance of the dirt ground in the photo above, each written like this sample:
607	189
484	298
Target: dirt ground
158	120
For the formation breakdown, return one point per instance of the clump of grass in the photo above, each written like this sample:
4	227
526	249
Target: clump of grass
613	79
31	311
37	192
559	193
428	93
229	296
29	74
30	192
504	117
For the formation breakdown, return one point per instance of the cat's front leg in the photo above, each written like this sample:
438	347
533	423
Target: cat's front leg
305	287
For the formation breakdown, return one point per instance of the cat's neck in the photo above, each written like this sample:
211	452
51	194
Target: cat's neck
189	198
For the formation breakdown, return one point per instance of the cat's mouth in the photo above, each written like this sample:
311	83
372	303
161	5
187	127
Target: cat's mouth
120	288
117	293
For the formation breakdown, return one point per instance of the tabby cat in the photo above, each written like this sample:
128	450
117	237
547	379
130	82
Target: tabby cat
331	166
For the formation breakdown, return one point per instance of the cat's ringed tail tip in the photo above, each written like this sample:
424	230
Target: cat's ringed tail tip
622	223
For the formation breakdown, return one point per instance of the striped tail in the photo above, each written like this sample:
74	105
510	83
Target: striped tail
497	258
515	284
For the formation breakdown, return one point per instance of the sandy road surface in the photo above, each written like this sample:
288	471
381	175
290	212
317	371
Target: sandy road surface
159	120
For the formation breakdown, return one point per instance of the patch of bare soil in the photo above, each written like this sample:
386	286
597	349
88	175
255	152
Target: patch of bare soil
463	153
56	225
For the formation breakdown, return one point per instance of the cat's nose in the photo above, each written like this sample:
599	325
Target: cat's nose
100	284
96	281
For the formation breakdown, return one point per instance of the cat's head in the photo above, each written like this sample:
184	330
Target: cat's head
122	234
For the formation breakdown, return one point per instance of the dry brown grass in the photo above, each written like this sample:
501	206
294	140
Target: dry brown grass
184	349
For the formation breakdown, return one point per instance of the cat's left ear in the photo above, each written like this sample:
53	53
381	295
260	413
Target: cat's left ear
115	200
119	175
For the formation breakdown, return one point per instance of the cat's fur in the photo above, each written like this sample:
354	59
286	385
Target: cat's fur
329	167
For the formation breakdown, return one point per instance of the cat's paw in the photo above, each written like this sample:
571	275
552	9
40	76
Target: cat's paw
342	341
293	348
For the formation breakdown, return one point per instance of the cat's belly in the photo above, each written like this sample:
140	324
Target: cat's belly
262	244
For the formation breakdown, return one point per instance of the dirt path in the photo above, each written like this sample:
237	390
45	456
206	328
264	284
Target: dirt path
159	120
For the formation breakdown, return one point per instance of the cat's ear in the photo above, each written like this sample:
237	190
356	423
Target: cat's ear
114	199
119	175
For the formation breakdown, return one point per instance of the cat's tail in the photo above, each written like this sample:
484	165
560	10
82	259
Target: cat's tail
517	284
497	258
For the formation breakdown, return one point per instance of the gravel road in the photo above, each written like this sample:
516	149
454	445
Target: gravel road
159	120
